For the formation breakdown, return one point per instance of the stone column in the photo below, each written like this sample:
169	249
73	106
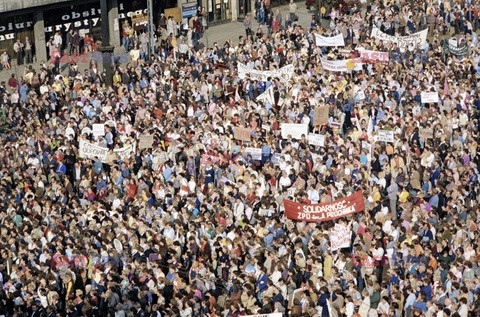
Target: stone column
114	24
39	32
234	8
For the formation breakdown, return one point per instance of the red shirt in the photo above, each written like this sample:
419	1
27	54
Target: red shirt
132	190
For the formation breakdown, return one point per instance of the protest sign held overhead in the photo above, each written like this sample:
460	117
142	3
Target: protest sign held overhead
296	130
320	115
384	136
340	237
429	97
316	139
145	142
242	134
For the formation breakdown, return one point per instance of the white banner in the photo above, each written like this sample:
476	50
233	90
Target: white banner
267	96
336	40
266	315
429	97
340	237
339	65
404	42
283	74
385	136
367	56
316	139
296	130
90	151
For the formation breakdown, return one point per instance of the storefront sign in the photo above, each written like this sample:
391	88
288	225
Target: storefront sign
325	211
189	9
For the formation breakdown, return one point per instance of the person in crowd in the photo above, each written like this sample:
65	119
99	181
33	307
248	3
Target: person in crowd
5	60
28	50
18	48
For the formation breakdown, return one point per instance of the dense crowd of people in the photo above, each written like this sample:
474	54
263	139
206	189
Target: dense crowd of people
190	225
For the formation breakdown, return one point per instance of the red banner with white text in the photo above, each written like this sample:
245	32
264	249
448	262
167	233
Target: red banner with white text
327	211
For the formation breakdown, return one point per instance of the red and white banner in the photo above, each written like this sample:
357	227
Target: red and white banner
326	211
367	56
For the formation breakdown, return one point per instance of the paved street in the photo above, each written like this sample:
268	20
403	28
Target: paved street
217	33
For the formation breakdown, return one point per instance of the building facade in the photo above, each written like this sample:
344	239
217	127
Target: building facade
41	19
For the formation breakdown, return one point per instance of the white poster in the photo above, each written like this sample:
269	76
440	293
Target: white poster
385	136
316	139
267	96
98	129
90	151
367	56
429	97
340	237
339	65
256	153
336	40
283	74
296	130
404	42
266	315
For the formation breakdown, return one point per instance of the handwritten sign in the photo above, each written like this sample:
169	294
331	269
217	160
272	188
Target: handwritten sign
426	133
340	237
145	142
256	153
98	129
242	134
384	136
316	139
320	116
429	97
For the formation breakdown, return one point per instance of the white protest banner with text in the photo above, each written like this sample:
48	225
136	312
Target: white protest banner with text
336	40
283	74
339	65
404	42
296	130
90	151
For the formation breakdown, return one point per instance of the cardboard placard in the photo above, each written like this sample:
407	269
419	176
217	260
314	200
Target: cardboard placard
242	134
145	142
426	133
320	116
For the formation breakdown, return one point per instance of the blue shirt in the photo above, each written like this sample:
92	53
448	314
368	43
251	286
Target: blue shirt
61	169
167	174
